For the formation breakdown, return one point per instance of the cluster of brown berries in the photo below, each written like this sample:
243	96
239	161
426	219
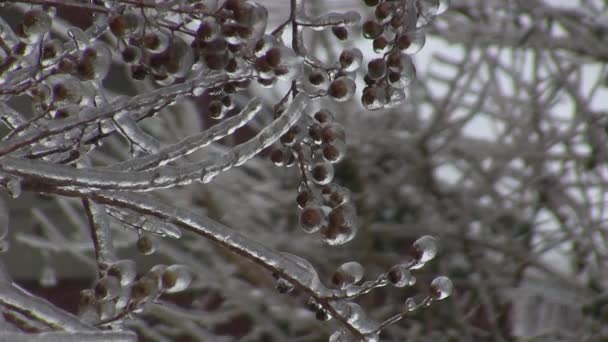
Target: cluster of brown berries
395	34
151	51
119	291
325	206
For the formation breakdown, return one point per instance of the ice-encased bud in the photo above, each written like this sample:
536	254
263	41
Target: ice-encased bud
441	288
342	226
124	270
176	278
350	59
399	275
312	218
146	244
107	288
341	89
34	25
322	173
424	249
348	274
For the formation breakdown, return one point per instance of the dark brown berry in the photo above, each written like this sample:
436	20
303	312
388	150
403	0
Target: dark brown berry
371	29
273	57
337	89
403	42
323	116
340	32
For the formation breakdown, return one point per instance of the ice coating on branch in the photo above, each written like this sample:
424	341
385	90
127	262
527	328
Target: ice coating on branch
102	237
39	309
138	105
269	134
330	19
149	224
124	269
132	131
355	316
194	142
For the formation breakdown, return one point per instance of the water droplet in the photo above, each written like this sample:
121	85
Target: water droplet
410	304
284	286
348	274
124	270
14	187
424	249
48	277
176	278
441	288
399	275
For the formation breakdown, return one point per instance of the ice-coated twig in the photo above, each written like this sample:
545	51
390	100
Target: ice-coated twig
329	19
195	142
138	104
300	274
39	309
164	177
149	224
10	117
100	232
129	128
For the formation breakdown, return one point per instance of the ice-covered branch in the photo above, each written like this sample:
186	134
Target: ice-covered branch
164	177
193	143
